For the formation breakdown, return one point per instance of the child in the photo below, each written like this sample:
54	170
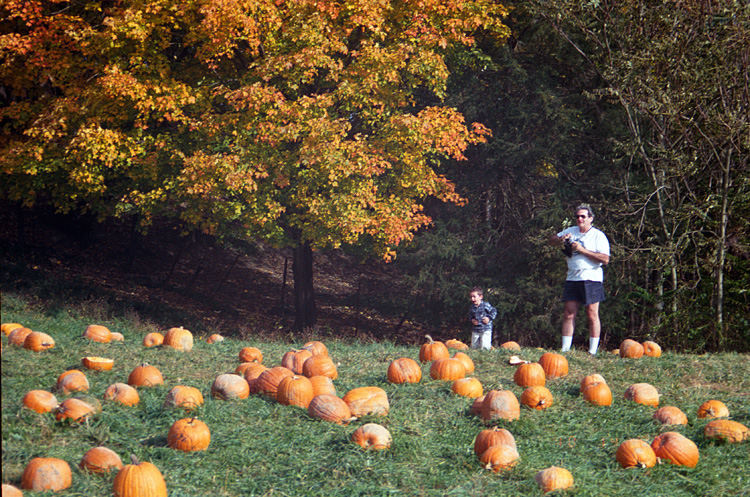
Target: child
481	315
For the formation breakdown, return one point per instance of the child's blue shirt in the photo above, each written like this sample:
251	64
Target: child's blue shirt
479	312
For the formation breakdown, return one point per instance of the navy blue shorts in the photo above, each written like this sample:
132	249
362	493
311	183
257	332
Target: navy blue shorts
585	292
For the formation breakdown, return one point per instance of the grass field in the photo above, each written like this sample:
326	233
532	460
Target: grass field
260	447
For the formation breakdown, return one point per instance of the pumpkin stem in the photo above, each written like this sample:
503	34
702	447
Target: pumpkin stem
428	337
134	460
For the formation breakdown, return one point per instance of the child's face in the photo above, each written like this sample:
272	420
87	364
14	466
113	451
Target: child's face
476	298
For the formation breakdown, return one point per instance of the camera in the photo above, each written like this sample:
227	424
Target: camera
567	247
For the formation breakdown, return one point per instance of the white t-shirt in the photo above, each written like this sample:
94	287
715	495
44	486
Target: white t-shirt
580	267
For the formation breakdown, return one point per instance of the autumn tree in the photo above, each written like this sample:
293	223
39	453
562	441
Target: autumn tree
303	123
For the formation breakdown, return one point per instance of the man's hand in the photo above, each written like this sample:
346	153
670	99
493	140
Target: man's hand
474	322
485	320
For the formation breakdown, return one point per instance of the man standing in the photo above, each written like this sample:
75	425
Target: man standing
587	250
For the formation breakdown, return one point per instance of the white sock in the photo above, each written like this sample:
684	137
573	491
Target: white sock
566	343
593	345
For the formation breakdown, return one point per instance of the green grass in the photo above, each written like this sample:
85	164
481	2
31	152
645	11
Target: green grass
259	447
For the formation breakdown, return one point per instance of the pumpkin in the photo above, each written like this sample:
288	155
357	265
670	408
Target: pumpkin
367	400
553	478
97	333
372	436
500	404
98	363
713	409
404	370
726	430
6	328
530	375
184	397
122	393
36	341
72	381
598	394
179	339
46	473
153	339
510	345
631	349
18	336
316	347
251	374
268	381
139	479
643	393
670	415
116	337
74	409
456	344
294	359
499	457
40	401
492	436
676	448
295	390
468	387
447	369
230	386
92	401
322	384
189	435
100	460
320	365
251	354
432	350
245	366
11	491
215	338
555	365
651	349
145	375
466	360
635	453
476	406
537	398
330	408
592	378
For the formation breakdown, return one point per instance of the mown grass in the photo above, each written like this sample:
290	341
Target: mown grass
259	447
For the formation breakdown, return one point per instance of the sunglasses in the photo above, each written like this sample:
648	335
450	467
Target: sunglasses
581	216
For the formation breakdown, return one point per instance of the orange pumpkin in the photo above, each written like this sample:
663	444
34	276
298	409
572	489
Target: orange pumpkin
676	448
476	406
320	365
670	415
499	457
184	397
40	401
466	360
404	370
598	394
493	436
179	338
189	435
372	436
500	404
46	473
6	328
651	349
98	363
726	431
268	381
447	369
230	386
631	349
295	390
295	359
215	338
74	409
553	478
468	387
510	345
18	336
139	479
592	378
316	347
330	408
456	344
643	393
635	453
432	350
11	491
72	381
145	375
100	460
116	337
555	365
365	401
322	384
251	354
153	339
537	398
36	341
97	333
122	393
245	366
530	375
713	409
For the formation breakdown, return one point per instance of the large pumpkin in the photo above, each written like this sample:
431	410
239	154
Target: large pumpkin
651	349
432	350
139	479
726	430
635	453
184	397
670	415
295	390
122	393
555	365
510	345
643	393
74	409
631	349
72	381
447	369
372	436
40	401
36	341
404	370
597	393
8	327
553	478
322	384
295	359
500	404
466	361
18	336
251	372
179	338
365	401
251	354
493	436
537	398
145	375
153	339
530	375
189	435
713	409
592	378
316	347
46	473
456	344
267	382
100	460
330	408
499	457
97	333
230	386
11	491
468	387
320	365
676	448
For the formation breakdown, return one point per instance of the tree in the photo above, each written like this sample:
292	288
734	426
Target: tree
297	122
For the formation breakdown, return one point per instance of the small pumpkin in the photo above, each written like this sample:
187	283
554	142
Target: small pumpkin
468	387
365	401
500	404
510	345
726	431
215	338
268	381
316	347
643	393
499	457
100	460
651	349
145	375
553	478
598	394
635	453
330	408
493	436
98	363
456	344
36	341
6	328
72	380
537	398
139	479
46	473
116	337
676	448
153	339
372	436
122	393
295	359
555	365
74	409
18	336
245	366
40	401
320	365
189	435
97	333
447	369
432	350
713	409
631	349
530	375
295	390
251	354
184	397
230	386
466	361
476	406
592	378
670	415
322	384
179	338
404	370
11	491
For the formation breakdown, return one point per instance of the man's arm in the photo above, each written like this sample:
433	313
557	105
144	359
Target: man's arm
595	256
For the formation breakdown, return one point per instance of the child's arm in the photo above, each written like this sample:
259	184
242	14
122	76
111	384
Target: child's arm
491	311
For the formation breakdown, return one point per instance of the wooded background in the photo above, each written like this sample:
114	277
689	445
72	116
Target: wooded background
449	138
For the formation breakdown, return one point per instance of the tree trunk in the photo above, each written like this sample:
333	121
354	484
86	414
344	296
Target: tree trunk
305	313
